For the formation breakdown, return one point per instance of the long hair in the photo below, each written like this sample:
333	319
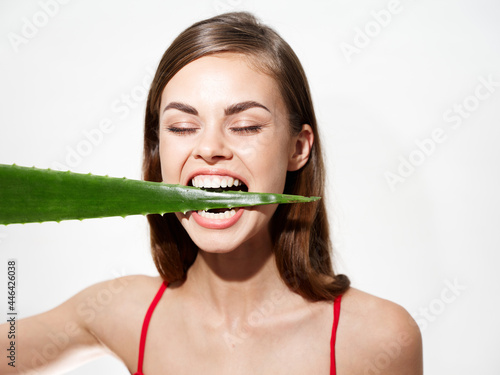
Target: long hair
300	232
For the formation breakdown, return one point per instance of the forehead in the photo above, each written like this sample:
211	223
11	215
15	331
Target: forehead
221	80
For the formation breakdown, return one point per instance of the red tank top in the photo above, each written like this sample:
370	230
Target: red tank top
149	313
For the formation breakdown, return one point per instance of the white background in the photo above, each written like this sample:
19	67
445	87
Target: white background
408	244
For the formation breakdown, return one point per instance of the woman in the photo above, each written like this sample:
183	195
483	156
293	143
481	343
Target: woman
241	291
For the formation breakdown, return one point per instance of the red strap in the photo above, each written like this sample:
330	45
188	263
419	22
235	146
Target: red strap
336	315
145	326
147	318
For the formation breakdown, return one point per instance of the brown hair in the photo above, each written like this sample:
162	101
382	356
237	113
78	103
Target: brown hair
300	232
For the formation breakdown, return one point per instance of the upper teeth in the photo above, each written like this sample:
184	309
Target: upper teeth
215	181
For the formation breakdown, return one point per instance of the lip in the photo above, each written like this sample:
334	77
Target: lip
218	223
215	172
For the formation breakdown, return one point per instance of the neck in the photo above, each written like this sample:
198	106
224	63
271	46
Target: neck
237	283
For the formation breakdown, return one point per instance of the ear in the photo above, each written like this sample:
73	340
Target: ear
300	148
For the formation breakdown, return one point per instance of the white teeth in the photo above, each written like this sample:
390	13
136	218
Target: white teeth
215	182
217	215
207	183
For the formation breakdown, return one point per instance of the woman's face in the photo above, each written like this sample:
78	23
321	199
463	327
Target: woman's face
223	123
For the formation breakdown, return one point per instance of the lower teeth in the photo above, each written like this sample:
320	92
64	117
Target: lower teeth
217	215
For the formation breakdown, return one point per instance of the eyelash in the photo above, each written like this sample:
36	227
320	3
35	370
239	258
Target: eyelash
180	131
246	130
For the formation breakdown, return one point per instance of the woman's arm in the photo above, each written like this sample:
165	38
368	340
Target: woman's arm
52	341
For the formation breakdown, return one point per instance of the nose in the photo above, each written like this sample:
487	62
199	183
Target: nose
212	146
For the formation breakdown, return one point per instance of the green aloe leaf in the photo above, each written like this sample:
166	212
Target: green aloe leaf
29	195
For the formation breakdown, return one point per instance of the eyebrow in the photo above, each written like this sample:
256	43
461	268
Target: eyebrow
181	107
231	110
243	106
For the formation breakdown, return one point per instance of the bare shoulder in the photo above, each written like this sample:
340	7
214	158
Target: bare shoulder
107	295
132	286
121	298
379	332
113	311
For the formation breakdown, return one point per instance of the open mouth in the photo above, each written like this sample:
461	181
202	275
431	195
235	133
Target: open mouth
218	183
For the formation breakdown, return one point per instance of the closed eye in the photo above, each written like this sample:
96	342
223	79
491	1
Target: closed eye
247	129
181	131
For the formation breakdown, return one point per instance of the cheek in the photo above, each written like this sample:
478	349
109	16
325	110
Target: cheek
272	165
171	156
253	148
276	174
